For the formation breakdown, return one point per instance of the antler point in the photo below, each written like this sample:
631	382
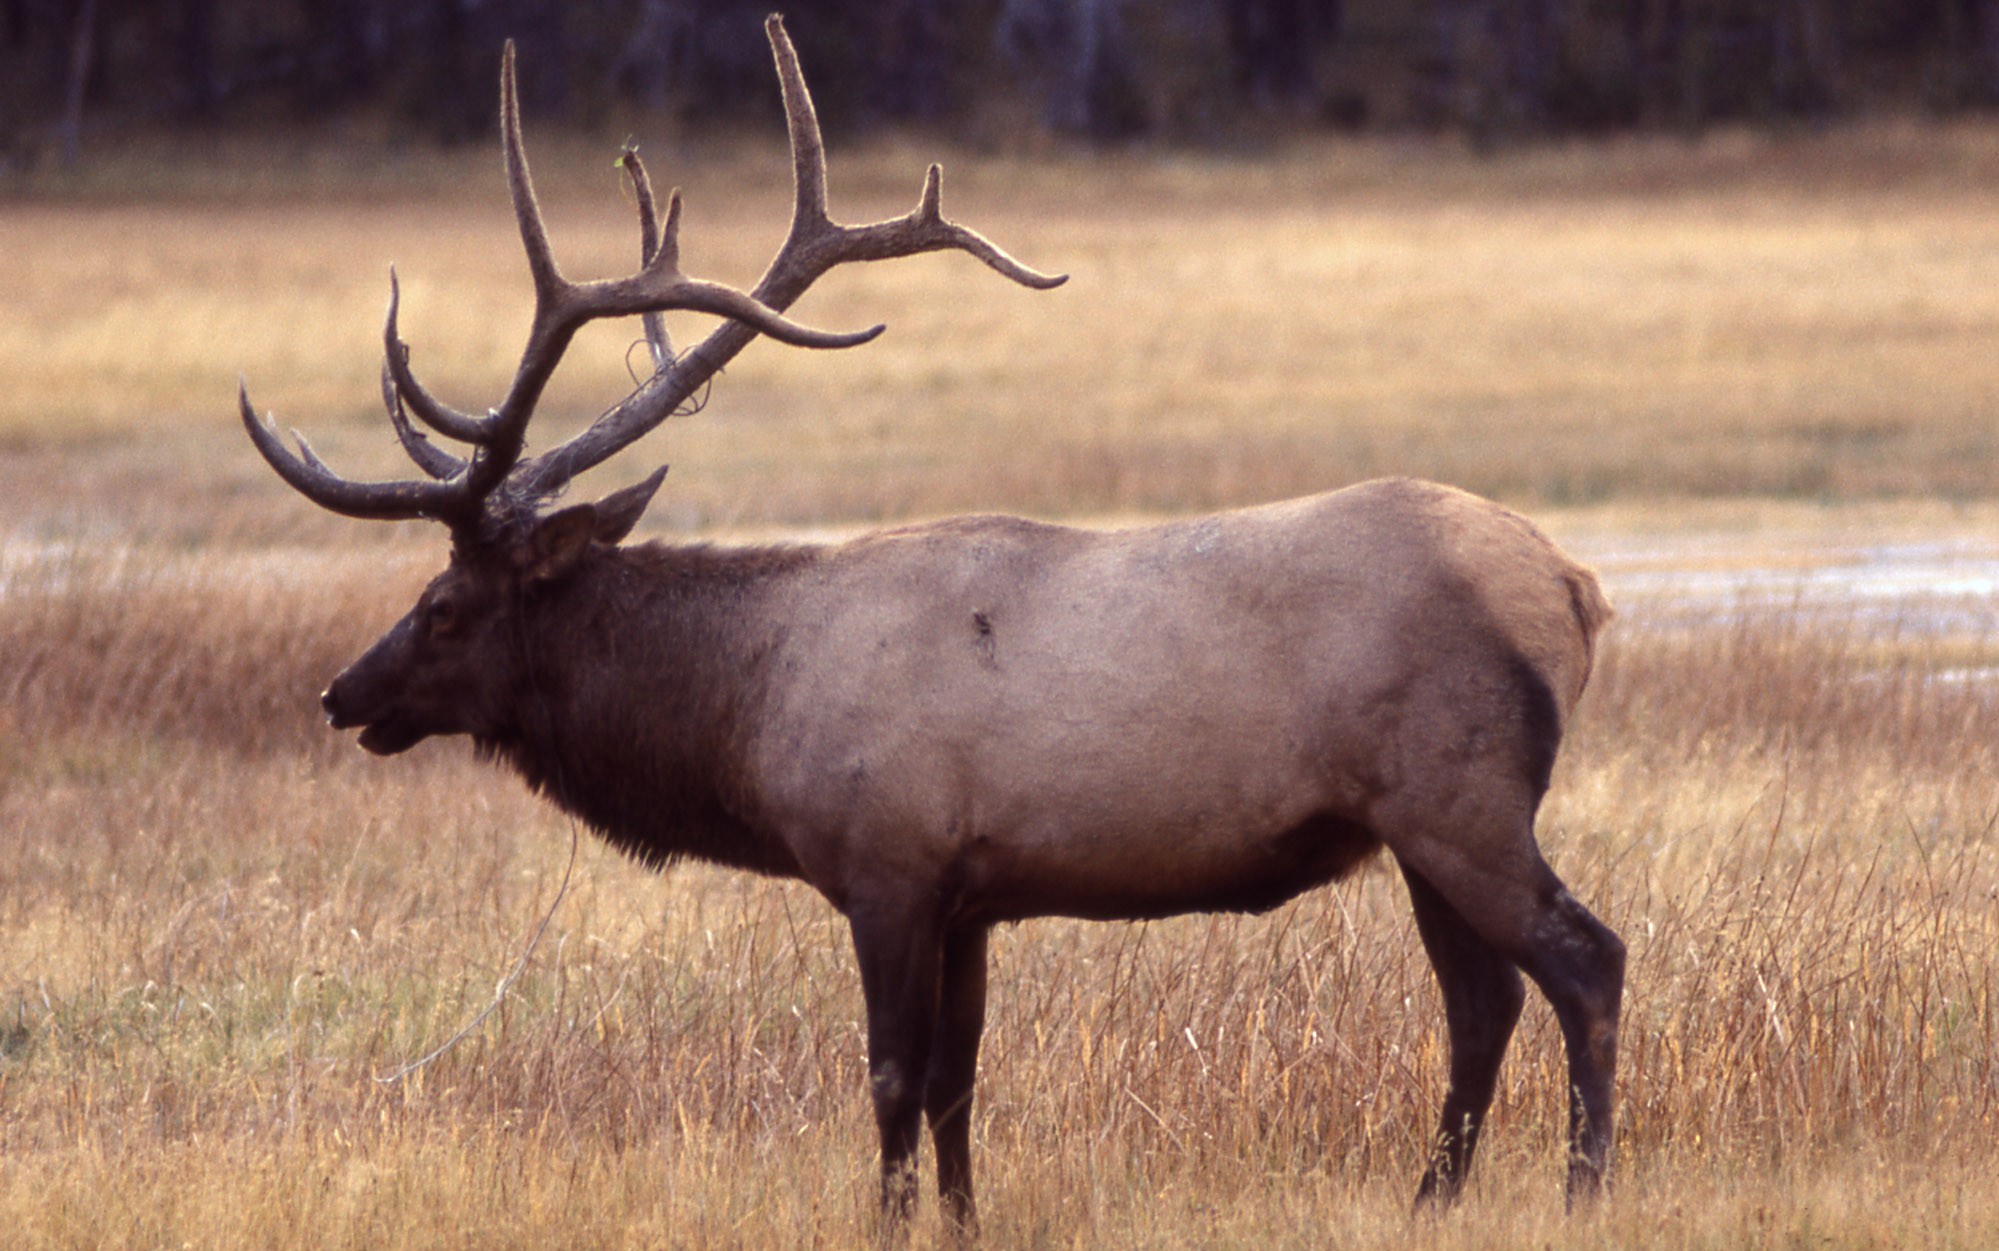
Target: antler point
249	411
930	206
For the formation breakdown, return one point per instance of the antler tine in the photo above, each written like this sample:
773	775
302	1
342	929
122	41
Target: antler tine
649	245
928	220
437	415
501	434
429	457
309	476
801	120
815	244
527	210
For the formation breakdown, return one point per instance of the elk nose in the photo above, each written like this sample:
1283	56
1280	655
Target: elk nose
326	703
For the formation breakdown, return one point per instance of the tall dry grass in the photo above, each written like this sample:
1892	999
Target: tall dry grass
215	935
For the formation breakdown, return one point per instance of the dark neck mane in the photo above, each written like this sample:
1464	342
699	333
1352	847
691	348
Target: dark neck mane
646	672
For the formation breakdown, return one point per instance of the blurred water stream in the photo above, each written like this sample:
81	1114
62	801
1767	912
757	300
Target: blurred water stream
1894	589
1909	593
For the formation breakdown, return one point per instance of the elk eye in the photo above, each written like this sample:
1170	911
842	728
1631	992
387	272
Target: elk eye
441	617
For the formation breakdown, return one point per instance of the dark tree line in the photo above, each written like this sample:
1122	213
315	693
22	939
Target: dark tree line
1103	68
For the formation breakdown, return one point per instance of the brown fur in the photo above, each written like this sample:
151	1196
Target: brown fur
946	726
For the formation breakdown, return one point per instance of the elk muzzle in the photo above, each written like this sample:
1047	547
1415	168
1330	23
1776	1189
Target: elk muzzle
384	732
373	693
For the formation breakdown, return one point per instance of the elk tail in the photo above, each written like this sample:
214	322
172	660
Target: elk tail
1593	612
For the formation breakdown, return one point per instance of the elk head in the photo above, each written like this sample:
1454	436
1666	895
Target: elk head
455	663
450	664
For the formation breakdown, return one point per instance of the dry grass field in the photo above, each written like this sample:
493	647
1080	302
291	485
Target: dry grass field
220	926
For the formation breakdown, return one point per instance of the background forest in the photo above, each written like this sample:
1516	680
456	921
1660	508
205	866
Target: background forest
991	70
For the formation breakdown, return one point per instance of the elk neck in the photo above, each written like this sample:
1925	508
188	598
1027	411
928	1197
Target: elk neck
643	674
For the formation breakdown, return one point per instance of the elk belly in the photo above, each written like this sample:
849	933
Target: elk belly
1160	872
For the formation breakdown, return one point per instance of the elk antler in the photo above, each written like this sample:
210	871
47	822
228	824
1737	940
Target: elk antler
460	490
815	244
812	246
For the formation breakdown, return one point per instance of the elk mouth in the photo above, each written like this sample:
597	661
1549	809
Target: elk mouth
386	735
389	736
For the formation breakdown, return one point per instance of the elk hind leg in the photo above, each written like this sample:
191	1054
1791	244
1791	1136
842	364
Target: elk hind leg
1500	887
1483	994
1578	963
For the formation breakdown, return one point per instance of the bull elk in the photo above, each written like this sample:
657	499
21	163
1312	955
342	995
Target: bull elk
947	726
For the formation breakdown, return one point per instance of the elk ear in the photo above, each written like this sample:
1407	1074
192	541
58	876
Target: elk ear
619	511
558	542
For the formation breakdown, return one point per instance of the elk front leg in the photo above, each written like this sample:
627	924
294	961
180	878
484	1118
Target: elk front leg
954	1062
900	950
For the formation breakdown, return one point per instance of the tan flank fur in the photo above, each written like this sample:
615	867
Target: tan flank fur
947	726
